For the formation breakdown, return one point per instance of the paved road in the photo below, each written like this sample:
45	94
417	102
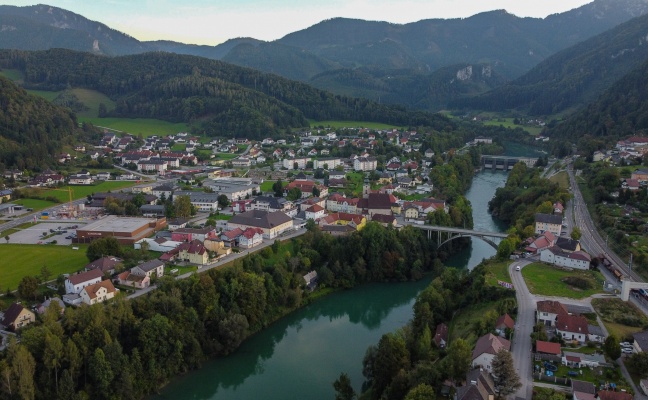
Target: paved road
521	346
224	260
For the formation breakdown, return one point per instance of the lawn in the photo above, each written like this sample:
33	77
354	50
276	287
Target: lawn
591	375
546	280
508	123
13	75
46	94
620	318
561	178
266	186
497	271
92	99
79	192
144	126
36	204
181	269
20	260
351	124
225	156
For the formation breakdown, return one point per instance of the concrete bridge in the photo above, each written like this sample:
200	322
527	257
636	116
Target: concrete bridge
505	163
446	234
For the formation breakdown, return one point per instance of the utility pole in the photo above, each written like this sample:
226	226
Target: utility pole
630	263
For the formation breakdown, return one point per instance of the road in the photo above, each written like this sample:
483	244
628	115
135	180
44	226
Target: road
521	345
224	260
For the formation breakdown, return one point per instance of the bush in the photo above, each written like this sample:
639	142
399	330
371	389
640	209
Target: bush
578	282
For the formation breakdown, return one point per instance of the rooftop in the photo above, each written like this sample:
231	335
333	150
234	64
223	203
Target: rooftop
117	224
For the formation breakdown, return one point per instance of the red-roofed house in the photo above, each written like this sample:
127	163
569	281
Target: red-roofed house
315	212
129	279
548	311
503	322
486	348
610	395
356	221
572	327
251	237
544	241
230	238
558	208
550	348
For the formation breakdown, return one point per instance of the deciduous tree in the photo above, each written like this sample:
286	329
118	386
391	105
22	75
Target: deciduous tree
505	378
343	388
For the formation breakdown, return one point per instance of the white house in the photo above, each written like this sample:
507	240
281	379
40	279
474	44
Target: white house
556	256
289	163
548	310
572	328
251	237
365	164
486	348
315	212
98	293
149	268
75	283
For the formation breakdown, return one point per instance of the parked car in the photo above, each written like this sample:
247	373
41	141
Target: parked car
627	350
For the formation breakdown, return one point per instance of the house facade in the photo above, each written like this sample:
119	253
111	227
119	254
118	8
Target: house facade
98	293
547	311
75	283
17	317
572	328
556	256
486	348
548	222
149	268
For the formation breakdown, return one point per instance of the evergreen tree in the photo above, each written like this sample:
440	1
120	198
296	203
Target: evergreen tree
343	388
612	347
505	378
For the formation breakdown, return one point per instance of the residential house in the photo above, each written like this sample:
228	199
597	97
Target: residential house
75	283
311	280
548	348
103	176
503	323
630	184
127	278
486	348
441	336
106	265
612	395
568	245
640	175
384	220
479	386
582	390
542	242
365	164
241	162
595	334
556	256
153	165
163	190
80	179
269	203
152	268
240	206
327	163
581	360
306	187
548	222
217	246
572	328
558	208
547	311
250	237
315	212
290	163
355	221
193	252
640	341
206	202
17	317
177	223
339	203
98	292
189	234
153	210
230	238
41	308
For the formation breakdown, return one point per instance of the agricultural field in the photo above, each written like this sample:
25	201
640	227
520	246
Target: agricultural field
561	178
92	99
13	75
79	192
547	280
508	123
266	186
138	126
36	204
20	260
351	124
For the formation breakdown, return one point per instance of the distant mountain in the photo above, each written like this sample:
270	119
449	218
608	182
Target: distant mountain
621	110
217	98
415	90
572	77
508	44
32	130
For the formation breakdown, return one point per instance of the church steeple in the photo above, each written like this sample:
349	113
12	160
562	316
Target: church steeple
365	189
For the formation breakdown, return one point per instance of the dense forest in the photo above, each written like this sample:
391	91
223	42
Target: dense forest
218	98
621	110
32	130
127	349
525	194
406	362
572	77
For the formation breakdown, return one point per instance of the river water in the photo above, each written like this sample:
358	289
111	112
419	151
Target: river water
301	355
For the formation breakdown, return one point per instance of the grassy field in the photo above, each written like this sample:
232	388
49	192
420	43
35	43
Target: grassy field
546	280
36	204
351	124
79	192
13	75
266	186
508	123
561	178
225	156
136	126
92	99
47	95
20	260
461	325
497	271
620	318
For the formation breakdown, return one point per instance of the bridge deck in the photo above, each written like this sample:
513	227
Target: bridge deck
458	230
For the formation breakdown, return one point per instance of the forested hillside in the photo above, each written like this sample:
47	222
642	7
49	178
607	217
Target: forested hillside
620	111
216	97
32	130
572	77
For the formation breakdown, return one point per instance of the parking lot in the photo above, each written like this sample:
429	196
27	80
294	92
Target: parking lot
44	232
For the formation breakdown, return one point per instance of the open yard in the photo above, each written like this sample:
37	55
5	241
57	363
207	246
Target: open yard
266	186
36	204
620	318
561	178
508	123
92	99
20	260
548	280
497	271
462	324
79	192
144	126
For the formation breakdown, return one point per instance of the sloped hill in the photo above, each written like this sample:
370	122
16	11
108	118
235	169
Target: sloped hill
32	129
572	77
218	98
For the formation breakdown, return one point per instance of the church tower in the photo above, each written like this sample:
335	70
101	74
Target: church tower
365	189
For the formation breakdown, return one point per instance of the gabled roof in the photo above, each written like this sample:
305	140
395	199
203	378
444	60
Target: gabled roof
12	313
93	289
552	307
490	344
572	323
642	340
260	219
233	234
567	244
583	387
193	247
104	264
315	208
150	265
505	320
249	233
548	219
85	276
610	395
379	201
383	219
548	347
441	334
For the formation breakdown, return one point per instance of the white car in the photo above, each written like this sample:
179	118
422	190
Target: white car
517	268
627	350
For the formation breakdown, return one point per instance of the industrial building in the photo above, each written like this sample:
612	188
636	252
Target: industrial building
127	230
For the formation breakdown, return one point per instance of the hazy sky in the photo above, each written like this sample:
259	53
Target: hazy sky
214	21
